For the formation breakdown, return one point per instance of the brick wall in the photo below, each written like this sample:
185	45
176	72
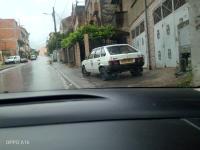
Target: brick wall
9	33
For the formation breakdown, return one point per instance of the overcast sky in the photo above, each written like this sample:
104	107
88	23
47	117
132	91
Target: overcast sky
29	13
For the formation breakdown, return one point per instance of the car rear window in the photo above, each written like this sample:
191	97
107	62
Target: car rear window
11	57
124	49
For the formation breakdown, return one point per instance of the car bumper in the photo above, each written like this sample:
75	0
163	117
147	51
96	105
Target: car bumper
9	62
125	67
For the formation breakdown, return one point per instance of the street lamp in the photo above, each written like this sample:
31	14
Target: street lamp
54	19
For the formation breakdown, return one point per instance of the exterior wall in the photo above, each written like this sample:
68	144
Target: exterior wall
86	44
134	11
136	14
167	44
9	33
139	41
77	55
194	11
90	7
23	41
66	25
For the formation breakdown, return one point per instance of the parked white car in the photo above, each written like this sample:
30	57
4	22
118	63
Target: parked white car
33	57
109	61
12	59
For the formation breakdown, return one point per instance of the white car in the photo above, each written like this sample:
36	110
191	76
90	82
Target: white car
109	61
12	59
33	57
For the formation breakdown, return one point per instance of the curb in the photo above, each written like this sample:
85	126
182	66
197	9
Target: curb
6	68
67	78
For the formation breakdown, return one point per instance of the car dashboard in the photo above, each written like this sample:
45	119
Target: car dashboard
94	119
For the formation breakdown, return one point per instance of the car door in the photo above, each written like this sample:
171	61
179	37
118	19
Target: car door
89	62
96	60
104	60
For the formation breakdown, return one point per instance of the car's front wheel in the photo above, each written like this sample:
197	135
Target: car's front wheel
84	71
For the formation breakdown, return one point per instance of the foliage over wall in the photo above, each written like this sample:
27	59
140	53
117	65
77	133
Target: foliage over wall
95	33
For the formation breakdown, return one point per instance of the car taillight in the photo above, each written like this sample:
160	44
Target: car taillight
114	62
140	59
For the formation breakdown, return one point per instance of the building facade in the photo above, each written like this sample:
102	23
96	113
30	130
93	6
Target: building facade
66	25
14	39
154	28
23	42
9	33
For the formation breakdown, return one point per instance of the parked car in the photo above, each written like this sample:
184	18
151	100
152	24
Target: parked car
33	57
109	61
23	60
12	60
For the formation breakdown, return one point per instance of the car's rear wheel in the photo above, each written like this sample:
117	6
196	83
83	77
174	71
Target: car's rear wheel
137	72
114	75
104	74
84	71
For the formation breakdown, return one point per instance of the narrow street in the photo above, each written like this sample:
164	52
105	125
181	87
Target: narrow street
39	75
33	76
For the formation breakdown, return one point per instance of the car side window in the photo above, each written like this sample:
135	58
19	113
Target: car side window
98	53
103	52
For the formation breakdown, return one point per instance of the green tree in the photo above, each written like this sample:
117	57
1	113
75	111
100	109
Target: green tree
54	42
95	33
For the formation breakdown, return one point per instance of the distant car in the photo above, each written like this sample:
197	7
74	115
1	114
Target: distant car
12	60
23	60
33	57
109	61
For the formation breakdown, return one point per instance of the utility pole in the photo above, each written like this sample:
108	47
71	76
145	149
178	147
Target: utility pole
147	35
54	20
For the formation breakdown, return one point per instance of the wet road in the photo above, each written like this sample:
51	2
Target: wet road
33	76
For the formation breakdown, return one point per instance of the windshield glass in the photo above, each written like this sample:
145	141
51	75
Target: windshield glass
124	49
77	44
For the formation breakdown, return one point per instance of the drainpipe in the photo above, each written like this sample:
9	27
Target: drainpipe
147	35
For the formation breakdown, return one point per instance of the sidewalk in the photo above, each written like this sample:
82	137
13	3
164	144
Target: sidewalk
73	75
3	67
156	78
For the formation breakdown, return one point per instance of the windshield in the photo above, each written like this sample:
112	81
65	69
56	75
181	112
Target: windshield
78	44
124	49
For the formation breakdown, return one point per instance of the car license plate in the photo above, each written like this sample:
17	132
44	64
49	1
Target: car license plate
127	61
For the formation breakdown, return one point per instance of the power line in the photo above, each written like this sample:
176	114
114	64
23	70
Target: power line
54	3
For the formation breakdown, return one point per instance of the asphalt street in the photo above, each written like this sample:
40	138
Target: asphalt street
35	75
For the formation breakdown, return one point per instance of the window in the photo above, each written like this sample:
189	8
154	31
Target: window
133	34
178	3
158	34
168	29
167	8
142	41
124	49
159	55
169	54
103	53
157	15
137	30
142	27
98	53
